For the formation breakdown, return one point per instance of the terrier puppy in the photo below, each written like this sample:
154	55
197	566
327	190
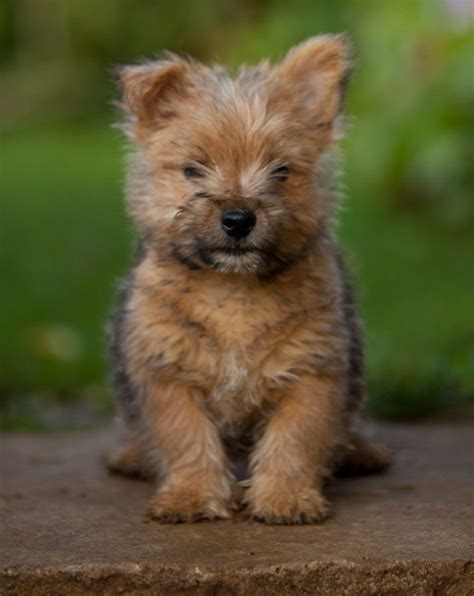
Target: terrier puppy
236	332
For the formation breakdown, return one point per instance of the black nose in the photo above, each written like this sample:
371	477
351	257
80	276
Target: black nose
238	222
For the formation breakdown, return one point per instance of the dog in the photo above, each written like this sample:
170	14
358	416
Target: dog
236	337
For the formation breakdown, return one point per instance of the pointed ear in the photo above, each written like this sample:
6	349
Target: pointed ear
149	89
317	72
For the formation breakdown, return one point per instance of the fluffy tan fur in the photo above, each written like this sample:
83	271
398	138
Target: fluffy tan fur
224	347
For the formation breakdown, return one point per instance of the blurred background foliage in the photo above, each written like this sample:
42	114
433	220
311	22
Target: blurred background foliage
407	224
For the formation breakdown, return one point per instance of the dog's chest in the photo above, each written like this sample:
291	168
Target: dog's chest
245	334
237	385
235	374
233	343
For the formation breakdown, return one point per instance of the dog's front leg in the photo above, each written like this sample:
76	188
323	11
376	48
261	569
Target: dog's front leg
292	457
196	481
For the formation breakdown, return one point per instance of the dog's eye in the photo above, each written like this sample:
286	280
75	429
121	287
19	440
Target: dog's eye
192	172
280	173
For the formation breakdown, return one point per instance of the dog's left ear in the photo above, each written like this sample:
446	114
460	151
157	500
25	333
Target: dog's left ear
316	72
151	89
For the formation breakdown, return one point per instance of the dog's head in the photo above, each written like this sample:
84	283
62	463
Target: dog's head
226	173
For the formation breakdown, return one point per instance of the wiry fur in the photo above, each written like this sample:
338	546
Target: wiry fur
222	346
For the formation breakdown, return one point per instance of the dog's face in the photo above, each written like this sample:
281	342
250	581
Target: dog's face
226	172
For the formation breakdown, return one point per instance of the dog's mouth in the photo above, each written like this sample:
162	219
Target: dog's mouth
238	257
235	259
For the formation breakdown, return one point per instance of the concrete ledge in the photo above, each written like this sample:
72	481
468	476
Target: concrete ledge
71	529
342	577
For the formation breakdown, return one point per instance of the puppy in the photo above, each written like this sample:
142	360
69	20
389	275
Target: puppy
236	334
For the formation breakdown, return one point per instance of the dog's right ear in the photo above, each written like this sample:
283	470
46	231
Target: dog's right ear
317	72
149	89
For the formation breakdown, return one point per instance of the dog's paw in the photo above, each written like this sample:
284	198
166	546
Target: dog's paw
128	462
288	507
186	506
361	456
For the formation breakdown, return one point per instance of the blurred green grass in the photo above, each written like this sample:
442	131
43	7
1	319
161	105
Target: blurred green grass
66	241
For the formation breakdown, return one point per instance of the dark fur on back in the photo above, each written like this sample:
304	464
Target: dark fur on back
356	376
116	330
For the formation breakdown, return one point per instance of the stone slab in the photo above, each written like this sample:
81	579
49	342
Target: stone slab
70	528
